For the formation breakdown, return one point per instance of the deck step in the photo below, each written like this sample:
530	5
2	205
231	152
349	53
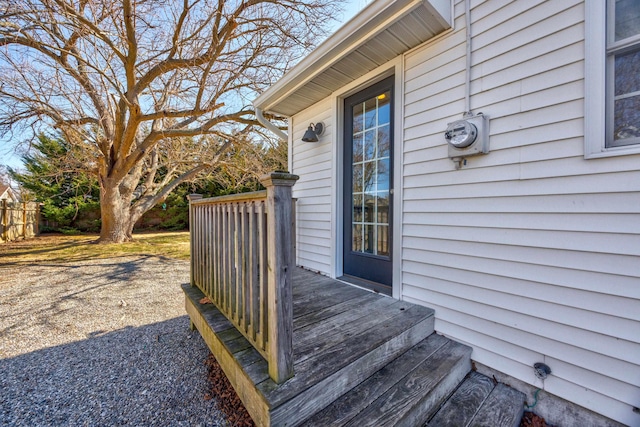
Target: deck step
342	336
341	360
360	359
480	402
406	391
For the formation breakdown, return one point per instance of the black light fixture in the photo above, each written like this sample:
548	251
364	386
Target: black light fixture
313	131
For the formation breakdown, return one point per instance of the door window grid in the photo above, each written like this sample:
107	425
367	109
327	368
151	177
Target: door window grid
371	162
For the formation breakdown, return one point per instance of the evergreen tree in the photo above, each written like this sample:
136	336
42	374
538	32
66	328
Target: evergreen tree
47	176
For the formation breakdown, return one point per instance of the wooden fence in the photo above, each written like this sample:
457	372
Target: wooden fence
242	260
20	220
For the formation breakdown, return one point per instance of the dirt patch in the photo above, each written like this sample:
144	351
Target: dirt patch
532	420
228	401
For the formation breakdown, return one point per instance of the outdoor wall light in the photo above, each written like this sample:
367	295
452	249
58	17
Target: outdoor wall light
313	132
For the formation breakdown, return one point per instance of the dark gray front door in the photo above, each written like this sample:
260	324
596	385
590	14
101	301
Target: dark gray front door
368	185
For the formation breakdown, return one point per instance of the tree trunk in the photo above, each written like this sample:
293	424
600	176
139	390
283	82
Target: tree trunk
117	221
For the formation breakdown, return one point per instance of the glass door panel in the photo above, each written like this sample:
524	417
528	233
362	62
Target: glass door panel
368	172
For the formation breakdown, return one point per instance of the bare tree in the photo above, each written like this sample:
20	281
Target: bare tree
152	92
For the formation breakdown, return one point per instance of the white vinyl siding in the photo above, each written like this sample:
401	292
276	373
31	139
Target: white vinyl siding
313	162
530	253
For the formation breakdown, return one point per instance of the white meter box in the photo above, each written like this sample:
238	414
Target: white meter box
468	137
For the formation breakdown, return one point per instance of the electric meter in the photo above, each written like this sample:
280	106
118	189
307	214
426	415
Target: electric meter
461	133
468	137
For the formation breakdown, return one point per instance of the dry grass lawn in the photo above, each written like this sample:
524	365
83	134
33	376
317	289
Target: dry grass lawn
58	248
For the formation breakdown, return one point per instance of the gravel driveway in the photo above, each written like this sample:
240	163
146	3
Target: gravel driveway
100	342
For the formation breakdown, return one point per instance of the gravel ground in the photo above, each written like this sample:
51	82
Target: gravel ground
100	343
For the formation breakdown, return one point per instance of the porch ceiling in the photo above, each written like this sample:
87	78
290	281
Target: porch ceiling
379	33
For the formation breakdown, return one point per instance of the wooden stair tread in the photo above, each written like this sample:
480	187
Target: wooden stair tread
503	408
330	358
479	401
418	395
350	406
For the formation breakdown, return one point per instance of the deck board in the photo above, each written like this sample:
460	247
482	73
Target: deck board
331	332
311	283
347	323
309	318
322	298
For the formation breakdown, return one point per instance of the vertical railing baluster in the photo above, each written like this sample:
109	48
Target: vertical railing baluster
224	282
214	252
246	254
239	258
228	282
232	263
262	271
201	245
219	258
253	270
211	251
205	256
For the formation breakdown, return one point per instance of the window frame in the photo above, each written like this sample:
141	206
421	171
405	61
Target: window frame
599	57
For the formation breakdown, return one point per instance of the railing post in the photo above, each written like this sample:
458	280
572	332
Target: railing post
192	222
280	260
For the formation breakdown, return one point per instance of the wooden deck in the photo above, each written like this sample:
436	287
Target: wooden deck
359	358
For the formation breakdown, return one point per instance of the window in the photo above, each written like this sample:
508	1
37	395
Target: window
623	72
612	116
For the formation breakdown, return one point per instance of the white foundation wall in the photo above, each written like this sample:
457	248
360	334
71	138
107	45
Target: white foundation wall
530	253
312	161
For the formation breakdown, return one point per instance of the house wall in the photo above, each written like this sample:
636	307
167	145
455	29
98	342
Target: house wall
313	163
530	253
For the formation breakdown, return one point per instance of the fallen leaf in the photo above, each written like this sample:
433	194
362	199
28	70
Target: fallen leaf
205	300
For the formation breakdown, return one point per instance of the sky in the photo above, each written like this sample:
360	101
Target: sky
7	153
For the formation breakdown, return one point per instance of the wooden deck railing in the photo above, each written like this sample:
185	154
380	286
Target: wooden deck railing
242	260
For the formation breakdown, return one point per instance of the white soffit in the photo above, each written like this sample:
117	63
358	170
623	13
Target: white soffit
378	34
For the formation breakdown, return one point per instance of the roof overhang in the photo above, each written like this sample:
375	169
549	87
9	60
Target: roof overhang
378	34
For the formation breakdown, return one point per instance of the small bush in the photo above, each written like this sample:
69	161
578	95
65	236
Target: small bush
69	231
